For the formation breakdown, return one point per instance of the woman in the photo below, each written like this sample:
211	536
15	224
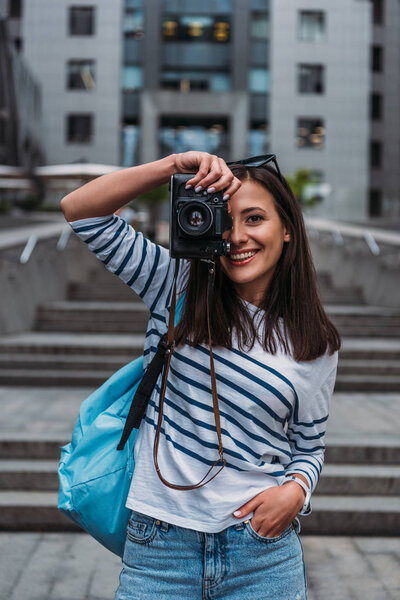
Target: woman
275	355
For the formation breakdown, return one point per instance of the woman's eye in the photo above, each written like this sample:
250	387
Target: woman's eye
255	218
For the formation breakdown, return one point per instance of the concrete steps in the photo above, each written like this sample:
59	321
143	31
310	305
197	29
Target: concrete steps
96	317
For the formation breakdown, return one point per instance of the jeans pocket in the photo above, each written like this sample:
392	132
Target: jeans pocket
141	528
268	540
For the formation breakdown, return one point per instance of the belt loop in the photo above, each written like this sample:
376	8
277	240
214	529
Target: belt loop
164	526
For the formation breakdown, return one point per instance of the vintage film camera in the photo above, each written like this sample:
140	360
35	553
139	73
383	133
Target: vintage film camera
197	221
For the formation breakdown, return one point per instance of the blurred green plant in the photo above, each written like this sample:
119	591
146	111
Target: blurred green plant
154	197
299	182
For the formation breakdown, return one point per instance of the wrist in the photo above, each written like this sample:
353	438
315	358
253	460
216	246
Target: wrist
297	491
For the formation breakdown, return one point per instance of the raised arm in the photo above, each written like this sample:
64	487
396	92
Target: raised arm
106	194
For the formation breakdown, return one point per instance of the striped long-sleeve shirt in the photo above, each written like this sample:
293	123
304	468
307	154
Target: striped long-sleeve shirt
273	409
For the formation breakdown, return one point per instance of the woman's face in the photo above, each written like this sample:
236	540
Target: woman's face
256	241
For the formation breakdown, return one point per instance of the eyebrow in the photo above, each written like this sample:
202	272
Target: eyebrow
247	210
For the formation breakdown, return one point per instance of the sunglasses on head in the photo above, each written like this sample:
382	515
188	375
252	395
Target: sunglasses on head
259	161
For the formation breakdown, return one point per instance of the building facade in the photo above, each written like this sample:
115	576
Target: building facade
384	149
320	82
74	49
317	83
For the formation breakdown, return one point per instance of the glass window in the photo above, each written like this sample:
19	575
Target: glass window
375	202
132	78
180	138
130	145
14	9
377	59
259	26
80	128
81	75
378	11
134	23
258	139
81	20
196	28
259	80
310	132
311	79
376	107
312	25
189	81
376	154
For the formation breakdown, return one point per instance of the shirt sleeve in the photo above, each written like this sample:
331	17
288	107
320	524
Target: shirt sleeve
145	267
306	431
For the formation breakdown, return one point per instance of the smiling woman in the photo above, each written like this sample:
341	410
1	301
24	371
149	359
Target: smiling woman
275	360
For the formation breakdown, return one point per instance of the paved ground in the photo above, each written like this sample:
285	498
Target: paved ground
74	567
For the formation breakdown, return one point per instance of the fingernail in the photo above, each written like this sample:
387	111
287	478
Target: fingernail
211	190
237	513
188	186
198	189
226	197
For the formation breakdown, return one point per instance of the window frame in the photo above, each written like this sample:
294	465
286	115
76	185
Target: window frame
73	7
71	115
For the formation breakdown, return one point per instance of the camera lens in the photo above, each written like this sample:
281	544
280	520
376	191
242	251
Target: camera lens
195	218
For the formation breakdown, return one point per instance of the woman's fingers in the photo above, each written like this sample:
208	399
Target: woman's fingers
213	173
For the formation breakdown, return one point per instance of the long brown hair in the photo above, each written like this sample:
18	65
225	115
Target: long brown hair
291	296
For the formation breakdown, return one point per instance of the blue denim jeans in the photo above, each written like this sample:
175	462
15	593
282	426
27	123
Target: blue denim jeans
163	561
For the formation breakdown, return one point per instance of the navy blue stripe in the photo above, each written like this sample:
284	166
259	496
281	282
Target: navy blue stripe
158	317
98	250
234	407
235	387
153	332
136	273
304	460
152	272
114	251
247	374
228	417
311	423
306	473
160	291
210	427
306	437
129	254
307	450
199	457
90	227
98	233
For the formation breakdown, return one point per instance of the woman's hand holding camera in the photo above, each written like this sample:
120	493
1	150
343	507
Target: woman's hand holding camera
212	172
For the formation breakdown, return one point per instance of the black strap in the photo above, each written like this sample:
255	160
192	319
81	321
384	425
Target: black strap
145	389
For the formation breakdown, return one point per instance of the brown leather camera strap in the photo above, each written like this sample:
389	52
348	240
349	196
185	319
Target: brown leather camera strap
221	462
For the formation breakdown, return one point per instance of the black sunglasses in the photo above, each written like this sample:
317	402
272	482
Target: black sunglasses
259	161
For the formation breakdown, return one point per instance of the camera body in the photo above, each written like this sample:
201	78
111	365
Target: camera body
197	221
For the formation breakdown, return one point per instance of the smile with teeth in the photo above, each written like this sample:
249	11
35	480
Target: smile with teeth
242	255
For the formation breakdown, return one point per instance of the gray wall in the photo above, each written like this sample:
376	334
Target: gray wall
344	106
47	48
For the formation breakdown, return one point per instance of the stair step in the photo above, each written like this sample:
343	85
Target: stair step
367	367
68	377
332	515
63	361
382	349
368	453
359	480
28	475
356	480
73	343
367	383
98	291
353	515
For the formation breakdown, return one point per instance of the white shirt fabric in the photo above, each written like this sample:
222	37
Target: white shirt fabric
273	409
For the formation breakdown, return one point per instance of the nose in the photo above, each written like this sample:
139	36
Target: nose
237	235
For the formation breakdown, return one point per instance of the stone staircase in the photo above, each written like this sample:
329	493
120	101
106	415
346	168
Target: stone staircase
83	340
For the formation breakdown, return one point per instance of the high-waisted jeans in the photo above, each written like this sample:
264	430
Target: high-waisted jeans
163	561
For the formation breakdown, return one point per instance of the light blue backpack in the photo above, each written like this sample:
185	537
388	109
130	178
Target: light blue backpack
94	478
